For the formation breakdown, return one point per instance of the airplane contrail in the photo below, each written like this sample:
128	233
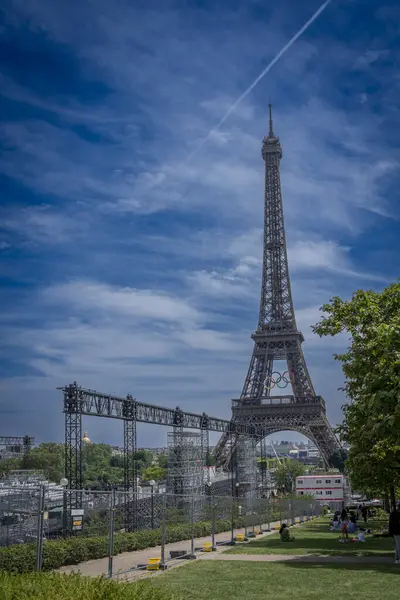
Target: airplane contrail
260	77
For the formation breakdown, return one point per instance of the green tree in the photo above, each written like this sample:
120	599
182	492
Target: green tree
144	456
117	460
155	472
163	461
285	475
371	367
48	457
338	459
9	464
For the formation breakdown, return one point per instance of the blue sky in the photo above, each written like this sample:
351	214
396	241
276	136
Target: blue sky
129	268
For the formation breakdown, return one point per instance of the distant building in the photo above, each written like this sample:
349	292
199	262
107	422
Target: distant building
15	446
327	488
86	439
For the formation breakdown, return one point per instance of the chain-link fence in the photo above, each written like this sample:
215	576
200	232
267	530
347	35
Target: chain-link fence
125	532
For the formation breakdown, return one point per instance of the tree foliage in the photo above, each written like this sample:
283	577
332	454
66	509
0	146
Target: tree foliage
155	472
371	367
338	459
286	472
101	468
48	457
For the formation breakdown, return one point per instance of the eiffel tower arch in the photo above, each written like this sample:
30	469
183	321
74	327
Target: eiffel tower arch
276	339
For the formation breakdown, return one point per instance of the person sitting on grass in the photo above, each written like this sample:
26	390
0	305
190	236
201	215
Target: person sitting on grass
335	523
284	533
352	524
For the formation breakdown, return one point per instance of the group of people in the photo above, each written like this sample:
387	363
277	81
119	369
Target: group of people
344	522
347	523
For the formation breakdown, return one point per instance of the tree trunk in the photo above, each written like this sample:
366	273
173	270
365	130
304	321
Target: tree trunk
393	497
386	502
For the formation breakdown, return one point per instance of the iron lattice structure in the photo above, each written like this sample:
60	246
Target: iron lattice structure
246	465
74	408
130	475
277	338
79	401
186	460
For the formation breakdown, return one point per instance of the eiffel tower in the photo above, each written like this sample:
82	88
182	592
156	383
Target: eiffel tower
277	338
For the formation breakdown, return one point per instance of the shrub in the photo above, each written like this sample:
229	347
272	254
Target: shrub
48	586
381	515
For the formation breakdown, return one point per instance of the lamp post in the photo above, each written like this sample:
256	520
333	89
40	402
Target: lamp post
64	483
152	484
261	507
208	492
232	512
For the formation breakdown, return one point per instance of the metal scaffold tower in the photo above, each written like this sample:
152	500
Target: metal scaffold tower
246	466
75	405
277	338
185	463
130	476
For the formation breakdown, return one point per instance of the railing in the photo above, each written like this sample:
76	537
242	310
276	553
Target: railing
173	525
277	401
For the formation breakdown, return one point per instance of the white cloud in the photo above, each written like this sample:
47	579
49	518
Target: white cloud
133	303
307	254
42	224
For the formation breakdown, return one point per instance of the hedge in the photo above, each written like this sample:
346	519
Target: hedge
21	558
48	586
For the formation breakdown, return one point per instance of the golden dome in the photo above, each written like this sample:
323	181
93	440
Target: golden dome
86	438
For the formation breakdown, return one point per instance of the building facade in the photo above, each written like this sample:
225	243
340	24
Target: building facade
326	488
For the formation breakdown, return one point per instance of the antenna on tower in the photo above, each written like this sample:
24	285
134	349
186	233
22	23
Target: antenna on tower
271	133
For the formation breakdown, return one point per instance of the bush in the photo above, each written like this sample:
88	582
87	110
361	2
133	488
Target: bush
48	586
381	515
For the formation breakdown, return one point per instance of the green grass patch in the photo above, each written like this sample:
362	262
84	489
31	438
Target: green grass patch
222	580
51	586
315	538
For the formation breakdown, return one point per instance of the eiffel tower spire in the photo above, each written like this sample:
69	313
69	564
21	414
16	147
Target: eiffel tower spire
271	129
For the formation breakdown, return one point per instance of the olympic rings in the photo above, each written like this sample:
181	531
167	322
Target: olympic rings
281	380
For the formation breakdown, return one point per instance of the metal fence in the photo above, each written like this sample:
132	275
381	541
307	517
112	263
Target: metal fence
166	526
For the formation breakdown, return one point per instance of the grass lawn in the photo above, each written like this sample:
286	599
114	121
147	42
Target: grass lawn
315	538
53	586
221	580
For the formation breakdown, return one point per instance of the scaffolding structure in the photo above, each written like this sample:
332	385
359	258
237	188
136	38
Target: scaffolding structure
15	446
246	466
186	461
